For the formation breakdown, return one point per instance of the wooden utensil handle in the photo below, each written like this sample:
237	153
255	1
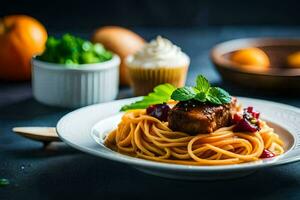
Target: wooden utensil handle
43	134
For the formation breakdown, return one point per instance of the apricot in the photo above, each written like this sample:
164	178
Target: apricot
253	58
293	60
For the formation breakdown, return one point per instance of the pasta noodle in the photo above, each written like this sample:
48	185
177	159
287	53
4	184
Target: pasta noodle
144	136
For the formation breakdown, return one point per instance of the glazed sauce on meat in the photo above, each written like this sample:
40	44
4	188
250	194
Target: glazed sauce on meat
195	117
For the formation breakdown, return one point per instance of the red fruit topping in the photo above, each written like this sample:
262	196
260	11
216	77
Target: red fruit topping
250	109
267	154
159	111
245	125
237	118
248	122
255	114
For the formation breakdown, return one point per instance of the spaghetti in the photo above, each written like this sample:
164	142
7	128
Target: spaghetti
144	136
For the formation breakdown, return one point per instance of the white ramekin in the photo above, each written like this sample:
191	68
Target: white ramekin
57	85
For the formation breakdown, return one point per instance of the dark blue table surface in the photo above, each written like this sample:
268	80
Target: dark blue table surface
60	172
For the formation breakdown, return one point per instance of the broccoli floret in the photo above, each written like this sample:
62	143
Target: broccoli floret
71	50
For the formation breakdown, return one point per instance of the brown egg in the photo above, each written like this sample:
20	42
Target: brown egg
251	58
293	60
120	41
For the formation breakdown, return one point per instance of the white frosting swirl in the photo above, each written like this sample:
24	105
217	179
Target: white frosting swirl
159	53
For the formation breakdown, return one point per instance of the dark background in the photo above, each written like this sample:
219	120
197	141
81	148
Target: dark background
60	172
84	16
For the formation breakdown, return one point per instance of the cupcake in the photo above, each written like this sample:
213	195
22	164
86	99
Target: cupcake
159	61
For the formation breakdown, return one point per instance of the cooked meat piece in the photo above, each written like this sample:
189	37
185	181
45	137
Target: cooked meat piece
194	117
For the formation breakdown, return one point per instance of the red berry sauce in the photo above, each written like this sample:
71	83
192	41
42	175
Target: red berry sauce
248	121
267	154
159	111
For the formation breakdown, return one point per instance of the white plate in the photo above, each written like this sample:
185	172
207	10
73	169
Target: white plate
84	129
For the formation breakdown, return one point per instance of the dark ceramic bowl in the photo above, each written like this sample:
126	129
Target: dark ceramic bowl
278	76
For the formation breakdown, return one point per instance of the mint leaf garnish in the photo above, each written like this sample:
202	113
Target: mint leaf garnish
222	95
213	99
184	94
201	96
202	92
202	84
161	94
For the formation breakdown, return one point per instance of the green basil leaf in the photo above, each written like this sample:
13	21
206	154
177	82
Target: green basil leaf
201	96
161	94
202	84
164	91
184	94
136	105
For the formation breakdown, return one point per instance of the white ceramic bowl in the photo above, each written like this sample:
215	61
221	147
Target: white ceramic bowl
84	129
57	85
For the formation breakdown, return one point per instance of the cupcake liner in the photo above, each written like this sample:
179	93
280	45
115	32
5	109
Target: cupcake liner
143	80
